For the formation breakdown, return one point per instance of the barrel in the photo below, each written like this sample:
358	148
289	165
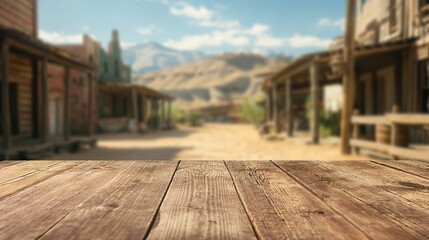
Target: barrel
402	136
384	135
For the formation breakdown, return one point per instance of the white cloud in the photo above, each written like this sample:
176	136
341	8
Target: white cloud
60	38
148	30
214	39
330	23
126	45
230	32
307	41
187	10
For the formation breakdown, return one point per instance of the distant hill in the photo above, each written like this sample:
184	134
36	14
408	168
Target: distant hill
213	81
152	56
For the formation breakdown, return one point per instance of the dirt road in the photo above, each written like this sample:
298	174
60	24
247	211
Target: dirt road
211	142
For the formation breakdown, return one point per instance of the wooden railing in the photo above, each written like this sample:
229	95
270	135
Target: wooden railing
395	128
424	14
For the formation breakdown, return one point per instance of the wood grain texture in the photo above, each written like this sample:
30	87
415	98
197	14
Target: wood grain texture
202	204
33	177
381	214
280	208
418	168
123	209
9	163
15	171
33	211
406	186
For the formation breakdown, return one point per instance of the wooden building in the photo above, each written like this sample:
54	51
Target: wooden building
24	83
388	91
136	108
123	106
83	91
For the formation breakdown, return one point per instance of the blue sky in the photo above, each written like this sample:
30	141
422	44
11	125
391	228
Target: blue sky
282	26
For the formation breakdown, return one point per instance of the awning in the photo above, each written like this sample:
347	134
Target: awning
139	88
304	62
23	43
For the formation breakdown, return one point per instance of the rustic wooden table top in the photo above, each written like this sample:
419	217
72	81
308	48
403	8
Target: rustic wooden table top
214	200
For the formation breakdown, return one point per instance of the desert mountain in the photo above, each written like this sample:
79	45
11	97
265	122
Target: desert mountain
212	81
153	57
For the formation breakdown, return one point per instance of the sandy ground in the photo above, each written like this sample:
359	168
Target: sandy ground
211	142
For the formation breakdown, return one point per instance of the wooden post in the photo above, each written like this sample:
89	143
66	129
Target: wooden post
267	106
44	102
90	106
135	108
289	109
169	120
275	107
67	83
5	118
349	75
315	103
162	114
356	133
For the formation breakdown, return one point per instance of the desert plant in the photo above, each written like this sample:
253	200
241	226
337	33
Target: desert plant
329	121
251	111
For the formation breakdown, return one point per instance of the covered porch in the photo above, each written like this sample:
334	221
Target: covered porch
384	98
24	97
135	108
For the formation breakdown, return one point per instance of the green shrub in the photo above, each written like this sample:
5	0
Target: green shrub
251	111
329	121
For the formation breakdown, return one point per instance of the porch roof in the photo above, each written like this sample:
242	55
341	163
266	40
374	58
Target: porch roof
304	62
23	43
139	88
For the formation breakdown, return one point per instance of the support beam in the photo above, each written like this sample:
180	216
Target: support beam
169	120
162	124
315	102
289	109
349	76
275	107
5	118
135	109
267	106
67	82
90	106
44	102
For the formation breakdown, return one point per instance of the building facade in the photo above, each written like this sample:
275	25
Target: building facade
388	93
24	130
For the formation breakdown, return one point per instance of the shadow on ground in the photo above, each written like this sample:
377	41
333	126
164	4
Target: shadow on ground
105	153
178	133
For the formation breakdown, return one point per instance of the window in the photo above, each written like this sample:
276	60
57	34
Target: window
393	16
117	68
13	107
423	87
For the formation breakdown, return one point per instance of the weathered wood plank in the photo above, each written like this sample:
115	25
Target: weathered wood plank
33	211
7	163
15	171
122	209
202	203
33	177
417	168
280	208
409	187
381	214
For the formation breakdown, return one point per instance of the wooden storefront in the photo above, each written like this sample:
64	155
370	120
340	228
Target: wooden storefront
390	99
127	107
24	103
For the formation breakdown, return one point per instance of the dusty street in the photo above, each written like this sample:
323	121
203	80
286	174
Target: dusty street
211	142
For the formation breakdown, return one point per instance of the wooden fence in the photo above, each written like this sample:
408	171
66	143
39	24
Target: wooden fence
392	135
